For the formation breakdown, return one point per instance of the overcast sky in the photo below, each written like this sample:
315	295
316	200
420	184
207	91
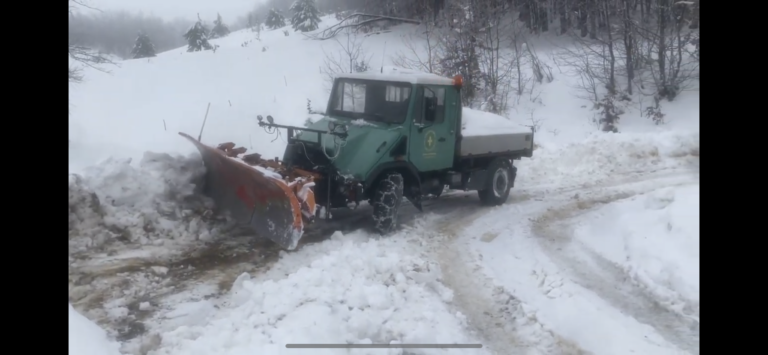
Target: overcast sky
230	10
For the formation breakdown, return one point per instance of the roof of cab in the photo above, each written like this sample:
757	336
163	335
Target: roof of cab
399	75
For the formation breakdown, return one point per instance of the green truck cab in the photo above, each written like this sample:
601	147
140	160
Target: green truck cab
399	134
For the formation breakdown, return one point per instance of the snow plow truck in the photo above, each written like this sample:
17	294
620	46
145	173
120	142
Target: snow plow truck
385	136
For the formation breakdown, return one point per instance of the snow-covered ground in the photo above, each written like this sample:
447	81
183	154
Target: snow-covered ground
596	251
87	338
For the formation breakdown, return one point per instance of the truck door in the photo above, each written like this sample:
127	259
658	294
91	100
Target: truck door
433	133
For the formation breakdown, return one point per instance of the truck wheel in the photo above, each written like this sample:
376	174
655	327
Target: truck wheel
498	183
386	202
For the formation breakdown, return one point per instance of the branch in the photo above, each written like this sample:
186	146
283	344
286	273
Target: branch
332	31
81	3
85	56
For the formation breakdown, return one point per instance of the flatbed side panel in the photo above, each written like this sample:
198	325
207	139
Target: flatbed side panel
508	142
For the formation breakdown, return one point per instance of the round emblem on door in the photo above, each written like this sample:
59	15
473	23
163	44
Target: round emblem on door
429	140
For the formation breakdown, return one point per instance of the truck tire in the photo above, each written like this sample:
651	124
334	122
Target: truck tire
386	202
498	183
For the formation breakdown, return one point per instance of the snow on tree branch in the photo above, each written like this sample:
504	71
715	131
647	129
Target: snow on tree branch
355	21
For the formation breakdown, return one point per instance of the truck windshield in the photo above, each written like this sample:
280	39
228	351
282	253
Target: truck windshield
377	101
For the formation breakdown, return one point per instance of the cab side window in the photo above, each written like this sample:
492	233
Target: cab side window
431	108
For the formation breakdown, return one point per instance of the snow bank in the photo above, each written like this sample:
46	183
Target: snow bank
87	338
603	155
350	289
481	123
154	203
655	238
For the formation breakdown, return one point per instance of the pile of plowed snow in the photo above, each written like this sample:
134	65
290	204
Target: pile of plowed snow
350	289
157	202
608	155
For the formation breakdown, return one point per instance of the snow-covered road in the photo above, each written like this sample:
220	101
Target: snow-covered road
569	286
559	269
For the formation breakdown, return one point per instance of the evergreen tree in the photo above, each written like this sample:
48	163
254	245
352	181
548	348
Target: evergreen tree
275	19
305	15
197	37
219	28
143	47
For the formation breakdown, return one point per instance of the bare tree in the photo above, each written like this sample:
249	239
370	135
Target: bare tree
582	62
351	57
458	48
541	71
628	37
413	59
81	54
517	41
593	61
673	67
495	66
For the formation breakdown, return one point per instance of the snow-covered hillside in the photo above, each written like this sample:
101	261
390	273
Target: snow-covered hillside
596	252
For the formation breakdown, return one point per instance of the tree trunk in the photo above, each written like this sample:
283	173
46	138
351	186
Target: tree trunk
561	10
663	20
602	14
583	12
629	46
593	13
648	10
611	53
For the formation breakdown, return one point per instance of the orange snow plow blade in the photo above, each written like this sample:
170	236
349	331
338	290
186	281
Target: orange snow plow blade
255	196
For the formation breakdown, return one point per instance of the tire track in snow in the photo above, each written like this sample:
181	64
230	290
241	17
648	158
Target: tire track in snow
493	311
495	314
604	277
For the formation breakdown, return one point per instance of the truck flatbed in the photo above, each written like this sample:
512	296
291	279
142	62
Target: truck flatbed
485	133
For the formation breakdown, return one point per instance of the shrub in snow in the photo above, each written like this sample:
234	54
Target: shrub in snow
654	112
609	113
275	19
219	28
197	37
143	47
305	16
